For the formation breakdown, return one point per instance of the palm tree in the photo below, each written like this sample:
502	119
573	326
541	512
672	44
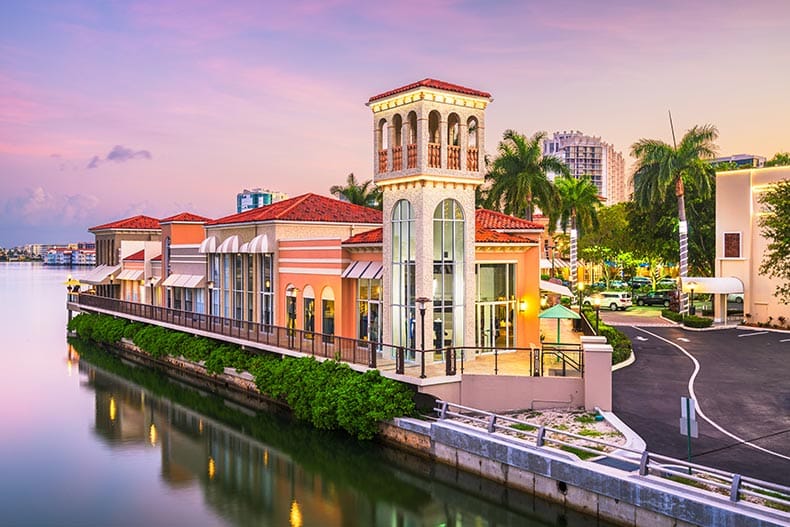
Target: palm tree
579	202
365	194
661	167
519	176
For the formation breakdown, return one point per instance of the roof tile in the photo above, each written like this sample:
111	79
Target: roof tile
307	208
138	256
185	217
490	219
432	83
135	222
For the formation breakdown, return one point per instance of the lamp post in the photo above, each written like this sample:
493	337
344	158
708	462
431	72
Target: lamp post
153	281
692	309
210	286
578	322
421	301
597	302
112	290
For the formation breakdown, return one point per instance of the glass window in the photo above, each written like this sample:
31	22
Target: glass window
448	274
266	288
495	306
403	272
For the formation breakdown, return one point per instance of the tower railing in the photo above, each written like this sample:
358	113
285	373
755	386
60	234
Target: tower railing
397	158
434	155
411	155
454	157
471	159
382	160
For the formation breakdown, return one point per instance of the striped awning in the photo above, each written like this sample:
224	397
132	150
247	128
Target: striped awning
709	284
545	263
130	274
259	244
100	275
230	245
188	281
363	269
209	245
558	289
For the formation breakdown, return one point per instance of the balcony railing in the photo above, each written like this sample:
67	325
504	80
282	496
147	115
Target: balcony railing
411	156
382	161
434	155
454	157
471	159
397	158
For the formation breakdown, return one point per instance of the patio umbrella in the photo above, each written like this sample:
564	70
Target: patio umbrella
559	311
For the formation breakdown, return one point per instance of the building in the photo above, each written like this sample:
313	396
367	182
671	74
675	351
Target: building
252	199
740	161
590	156
740	244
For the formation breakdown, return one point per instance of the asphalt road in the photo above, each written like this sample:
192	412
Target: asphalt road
742	386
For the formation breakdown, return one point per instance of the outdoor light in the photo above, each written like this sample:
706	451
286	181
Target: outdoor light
544	302
522	305
421	301
691	286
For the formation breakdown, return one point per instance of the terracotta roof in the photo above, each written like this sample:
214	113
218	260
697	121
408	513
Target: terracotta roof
308	208
371	236
157	258
135	222
138	256
490	219
432	83
482	235
186	216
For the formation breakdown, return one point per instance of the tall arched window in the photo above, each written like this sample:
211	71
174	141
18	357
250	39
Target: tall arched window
434	141
403	246
453	141
397	143
309	311
328	313
382	143
472	152
411	157
448	274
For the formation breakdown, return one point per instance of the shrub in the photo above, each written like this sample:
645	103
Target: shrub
671	315
697	322
621	344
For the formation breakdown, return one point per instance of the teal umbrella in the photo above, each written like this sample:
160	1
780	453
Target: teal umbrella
559	311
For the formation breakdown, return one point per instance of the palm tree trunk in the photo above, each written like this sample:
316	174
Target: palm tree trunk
683	235
574	258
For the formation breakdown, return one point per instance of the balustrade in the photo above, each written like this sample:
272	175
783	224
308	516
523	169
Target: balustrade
434	155
411	156
454	157
382	161
471	159
397	158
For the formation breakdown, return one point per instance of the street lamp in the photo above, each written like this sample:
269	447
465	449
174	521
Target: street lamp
421	301
210	285
597	303
692	309
153	281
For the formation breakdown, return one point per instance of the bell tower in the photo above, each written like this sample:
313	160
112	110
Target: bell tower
428	159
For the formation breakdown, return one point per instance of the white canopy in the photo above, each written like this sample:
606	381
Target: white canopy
551	287
130	274
259	244
230	245
545	263
100	275
209	245
707	284
189	281
363	269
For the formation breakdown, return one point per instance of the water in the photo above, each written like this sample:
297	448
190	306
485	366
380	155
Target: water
89	440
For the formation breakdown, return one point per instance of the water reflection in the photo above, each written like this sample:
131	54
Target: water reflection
266	470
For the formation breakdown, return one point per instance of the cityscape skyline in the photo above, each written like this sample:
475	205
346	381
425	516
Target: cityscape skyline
107	111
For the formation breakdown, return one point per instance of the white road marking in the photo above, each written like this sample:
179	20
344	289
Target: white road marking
785	340
683	339
639	337
697	405
752	333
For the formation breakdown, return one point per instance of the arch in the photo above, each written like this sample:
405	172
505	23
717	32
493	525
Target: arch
473	129
327	293
382	139
308	292
434	119
397	125
411	121
453	129
308	301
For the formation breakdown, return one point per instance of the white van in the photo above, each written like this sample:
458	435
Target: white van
613	300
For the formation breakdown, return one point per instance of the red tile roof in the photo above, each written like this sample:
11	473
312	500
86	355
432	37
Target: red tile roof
482	235
138	256
307	208
490	219
432	83
186	217
157	258
371	236
135	223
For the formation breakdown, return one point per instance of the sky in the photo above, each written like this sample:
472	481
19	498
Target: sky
110	109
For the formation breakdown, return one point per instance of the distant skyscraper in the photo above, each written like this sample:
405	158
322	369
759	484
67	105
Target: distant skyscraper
741	161
586	155
252	199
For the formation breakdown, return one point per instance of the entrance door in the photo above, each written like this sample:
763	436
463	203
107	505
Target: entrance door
486	327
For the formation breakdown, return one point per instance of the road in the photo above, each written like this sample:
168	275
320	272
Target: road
741	383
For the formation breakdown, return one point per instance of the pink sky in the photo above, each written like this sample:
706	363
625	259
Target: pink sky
113	109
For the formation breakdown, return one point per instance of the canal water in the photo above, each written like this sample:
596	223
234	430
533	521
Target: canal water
86	439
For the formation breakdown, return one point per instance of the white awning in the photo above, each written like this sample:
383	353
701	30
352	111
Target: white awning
130	274
230	245
189	281
551	287
209	245
259	244
100	275
245	247
707	284
545	263
363	269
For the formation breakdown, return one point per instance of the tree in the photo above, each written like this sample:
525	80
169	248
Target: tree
519	177
661	167
776	229
579	202
365	194
780	159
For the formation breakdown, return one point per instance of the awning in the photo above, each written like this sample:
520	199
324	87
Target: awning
363	269
245	247
559	289
545	263
707	284
209	245
230	245
130	274
100	275
259	244
189	281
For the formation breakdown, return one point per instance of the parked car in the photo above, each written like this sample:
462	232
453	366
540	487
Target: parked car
654	298
666	283
617	284
735	297
613	300
640	281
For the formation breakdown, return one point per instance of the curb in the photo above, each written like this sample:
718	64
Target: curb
633	441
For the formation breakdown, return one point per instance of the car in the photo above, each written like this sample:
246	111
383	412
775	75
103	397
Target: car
654	298
640	281
666	283
735	297
617	284
613	300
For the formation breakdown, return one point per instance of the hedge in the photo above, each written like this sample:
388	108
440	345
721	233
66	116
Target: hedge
691	321
328	394
621	344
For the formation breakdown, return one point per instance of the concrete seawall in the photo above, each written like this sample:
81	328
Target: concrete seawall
596	490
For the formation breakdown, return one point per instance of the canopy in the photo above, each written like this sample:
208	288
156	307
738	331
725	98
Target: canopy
189	281
559	311
363	269
100	275
209	245
259	244
545	263
707	284
551	287
230	245
130	274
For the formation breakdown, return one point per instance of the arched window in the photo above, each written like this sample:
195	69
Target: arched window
472	152
434	146
403	247
382	143
309	311
328	313
290	307
397	143
453	141
411	157
448	274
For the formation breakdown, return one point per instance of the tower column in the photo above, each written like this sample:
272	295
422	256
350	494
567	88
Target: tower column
443	141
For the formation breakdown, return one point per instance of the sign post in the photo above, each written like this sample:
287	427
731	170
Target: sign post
688	422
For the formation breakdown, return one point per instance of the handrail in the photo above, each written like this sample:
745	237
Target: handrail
650	464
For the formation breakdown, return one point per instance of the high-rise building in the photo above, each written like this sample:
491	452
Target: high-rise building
590	156
740	161
252	199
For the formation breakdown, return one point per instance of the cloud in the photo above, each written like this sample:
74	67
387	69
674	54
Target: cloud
38	207
119	154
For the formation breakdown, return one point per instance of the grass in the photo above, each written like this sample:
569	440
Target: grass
590	433
582	454
524	427
585	418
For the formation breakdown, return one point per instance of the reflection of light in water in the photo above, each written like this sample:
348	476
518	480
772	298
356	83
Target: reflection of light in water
296	514
200	426
266	458
113	409
69	366
152	434
71	358
212	468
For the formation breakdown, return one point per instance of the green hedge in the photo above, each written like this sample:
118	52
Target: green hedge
328	394
671	315
621	344
693	321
